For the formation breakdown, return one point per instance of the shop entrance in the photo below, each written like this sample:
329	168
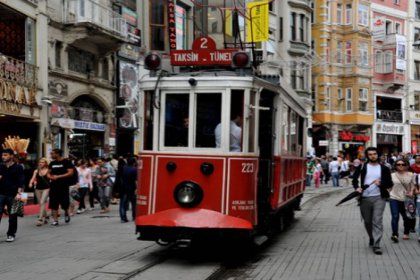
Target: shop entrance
84	144
352	149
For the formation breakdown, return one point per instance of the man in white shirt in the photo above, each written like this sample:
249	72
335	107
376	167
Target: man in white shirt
375	180
235	134
334	171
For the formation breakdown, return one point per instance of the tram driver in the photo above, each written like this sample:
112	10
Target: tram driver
235	132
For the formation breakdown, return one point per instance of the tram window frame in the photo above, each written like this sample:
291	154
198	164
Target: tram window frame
148	118
197	121
179	118
293	139
238	110
250	124
285	129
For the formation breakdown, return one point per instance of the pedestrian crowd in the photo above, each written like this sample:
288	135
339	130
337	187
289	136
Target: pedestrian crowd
67	184
377	180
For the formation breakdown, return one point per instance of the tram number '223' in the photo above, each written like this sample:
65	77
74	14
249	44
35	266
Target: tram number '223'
248	168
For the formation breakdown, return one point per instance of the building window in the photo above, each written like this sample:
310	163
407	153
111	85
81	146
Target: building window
340	98
158	24
105	68
388	27
416	100
417	70
388	62
417	10
396	2
363	99
398	28
348	52
293	26
339	52
363	15
281	29
416	38
363	54
379	62
80	61
349	14
327	54
293	75
327	100
349	99
301	77
339	11
58	49
301	28
328	11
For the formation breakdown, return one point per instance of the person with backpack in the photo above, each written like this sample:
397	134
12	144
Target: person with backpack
403	188
61	173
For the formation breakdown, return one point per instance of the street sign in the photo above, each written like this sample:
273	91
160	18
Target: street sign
323	143
203	52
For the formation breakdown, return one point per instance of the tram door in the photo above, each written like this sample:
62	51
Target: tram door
266	147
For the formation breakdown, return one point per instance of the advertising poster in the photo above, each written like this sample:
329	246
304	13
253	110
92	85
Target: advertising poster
401	63
128	96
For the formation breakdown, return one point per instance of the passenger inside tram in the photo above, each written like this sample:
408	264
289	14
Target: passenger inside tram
235	132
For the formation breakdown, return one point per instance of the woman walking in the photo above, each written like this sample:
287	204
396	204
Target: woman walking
403	186
85	184
317	173
41	183
93	193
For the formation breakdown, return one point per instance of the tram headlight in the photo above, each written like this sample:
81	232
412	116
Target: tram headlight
188	194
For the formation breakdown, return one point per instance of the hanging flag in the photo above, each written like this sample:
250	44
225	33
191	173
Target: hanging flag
257	22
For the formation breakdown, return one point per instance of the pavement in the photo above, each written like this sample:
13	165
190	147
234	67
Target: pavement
325	242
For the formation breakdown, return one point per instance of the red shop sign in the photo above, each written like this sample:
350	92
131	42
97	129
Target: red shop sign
203	52
348	136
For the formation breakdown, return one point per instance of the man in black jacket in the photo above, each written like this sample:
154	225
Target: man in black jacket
375	181
11	182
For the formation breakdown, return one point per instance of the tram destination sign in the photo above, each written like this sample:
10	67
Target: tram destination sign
203	53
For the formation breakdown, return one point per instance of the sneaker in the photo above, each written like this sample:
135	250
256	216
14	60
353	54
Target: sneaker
377	250
55	223
79	211
370	242
394	238
67	219
91	208
10	238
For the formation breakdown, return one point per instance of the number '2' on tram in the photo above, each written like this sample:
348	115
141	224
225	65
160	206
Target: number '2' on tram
222	154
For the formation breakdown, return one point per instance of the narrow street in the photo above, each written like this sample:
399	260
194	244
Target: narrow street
325	242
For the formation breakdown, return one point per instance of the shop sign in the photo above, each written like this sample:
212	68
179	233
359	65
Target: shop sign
389	128
112	141
414	147
348	136
57	88
378	29
129	15
75	124
172	25
323	143
203	53
13	97
129	51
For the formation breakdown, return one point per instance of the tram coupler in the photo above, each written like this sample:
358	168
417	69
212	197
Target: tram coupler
183	243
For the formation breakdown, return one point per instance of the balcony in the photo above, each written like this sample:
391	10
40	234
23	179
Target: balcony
92	14
18	72
33	2
299	48
389	116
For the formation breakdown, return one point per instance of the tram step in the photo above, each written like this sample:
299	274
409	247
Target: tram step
260	239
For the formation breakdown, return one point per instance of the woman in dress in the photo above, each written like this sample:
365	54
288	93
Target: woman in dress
41	183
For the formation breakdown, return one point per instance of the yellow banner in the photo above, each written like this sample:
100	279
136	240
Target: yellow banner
228	23
257	23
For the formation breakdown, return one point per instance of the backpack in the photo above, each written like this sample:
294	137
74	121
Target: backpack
74	179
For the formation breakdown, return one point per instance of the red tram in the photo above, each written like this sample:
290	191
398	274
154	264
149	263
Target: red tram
222	153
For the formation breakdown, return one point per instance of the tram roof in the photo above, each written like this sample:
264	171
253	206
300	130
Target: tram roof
207	79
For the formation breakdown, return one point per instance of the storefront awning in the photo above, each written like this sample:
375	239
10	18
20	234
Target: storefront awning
76	124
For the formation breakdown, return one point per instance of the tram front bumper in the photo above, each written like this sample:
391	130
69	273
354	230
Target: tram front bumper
179	223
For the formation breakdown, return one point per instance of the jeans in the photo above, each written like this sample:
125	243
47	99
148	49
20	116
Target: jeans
372	210
397	207
82	192
8	201
125	200
335	178
104	195
418	212
308	180
93	194
42	196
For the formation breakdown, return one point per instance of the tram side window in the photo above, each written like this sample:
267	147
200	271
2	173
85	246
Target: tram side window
148	121
285	130
293	133
209	111
176	120
251	133
236	120
301	133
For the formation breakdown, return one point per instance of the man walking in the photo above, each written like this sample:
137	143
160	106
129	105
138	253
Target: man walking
325	168
11	183
60	172
129	185
375	180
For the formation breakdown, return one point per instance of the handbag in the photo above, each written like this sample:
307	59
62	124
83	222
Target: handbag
75	195
17	208
410	208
